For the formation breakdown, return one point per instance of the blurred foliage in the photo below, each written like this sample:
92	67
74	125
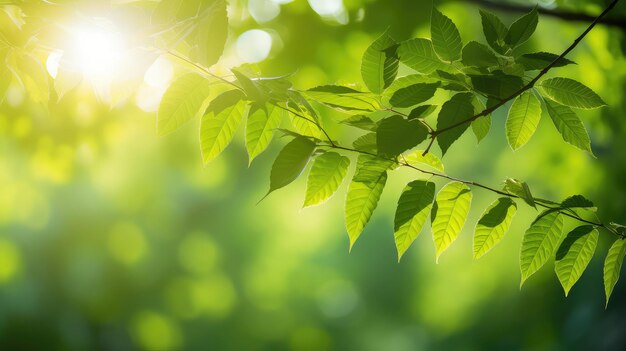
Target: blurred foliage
112	238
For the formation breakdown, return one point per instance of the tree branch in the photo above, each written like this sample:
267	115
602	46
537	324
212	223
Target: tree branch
532	83
540	202
617	22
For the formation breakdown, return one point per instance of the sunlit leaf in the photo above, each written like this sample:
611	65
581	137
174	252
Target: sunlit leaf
446	38
539	243
571	93
361	122
419	55
413	94
449	214
325	177
482	125
209	36
366	143
569	125
493	225
519	189
413	207
523	119
418	157
454	111
396	135
380	64
363	194
182	101
260	128
613	266
220	122
290	162
574	255
343	98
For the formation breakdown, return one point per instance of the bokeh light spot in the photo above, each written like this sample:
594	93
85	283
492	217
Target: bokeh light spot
254	45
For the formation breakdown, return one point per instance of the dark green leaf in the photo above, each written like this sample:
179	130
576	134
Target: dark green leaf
495	31
290	162
540	60
577	201
457	109
413	94
366	143
396	135
521	30
478	55
422	111
497	84
361	122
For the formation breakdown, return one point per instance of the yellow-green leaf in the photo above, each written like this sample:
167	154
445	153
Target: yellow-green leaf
413	207
574	255
260	129
219	124
449	214
569	125
571	93
380	64
523	119
539	243
182	101
446	38
325	177
418	157
363	194
419	54
613	266
493	225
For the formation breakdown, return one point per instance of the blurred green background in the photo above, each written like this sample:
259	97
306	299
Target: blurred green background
112	238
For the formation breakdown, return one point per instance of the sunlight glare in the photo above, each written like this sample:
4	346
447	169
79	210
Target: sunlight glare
97	51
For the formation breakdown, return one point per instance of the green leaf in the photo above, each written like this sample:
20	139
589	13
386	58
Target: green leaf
363	194
260	128
361	122
571	93
342	98
578	201
495	31
541	60
519	189
613	266
418	157
325	177
457	109
413	207
569	125
539	243
493	225
574	255
220	122
413	94
249	87
396	135
380	64
449	214
452	81
182	101
366	143
422	111
304	122
478	55
521	30
497	84
418	54
482	125
446	38
290	163
523	119
209	37
33	76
